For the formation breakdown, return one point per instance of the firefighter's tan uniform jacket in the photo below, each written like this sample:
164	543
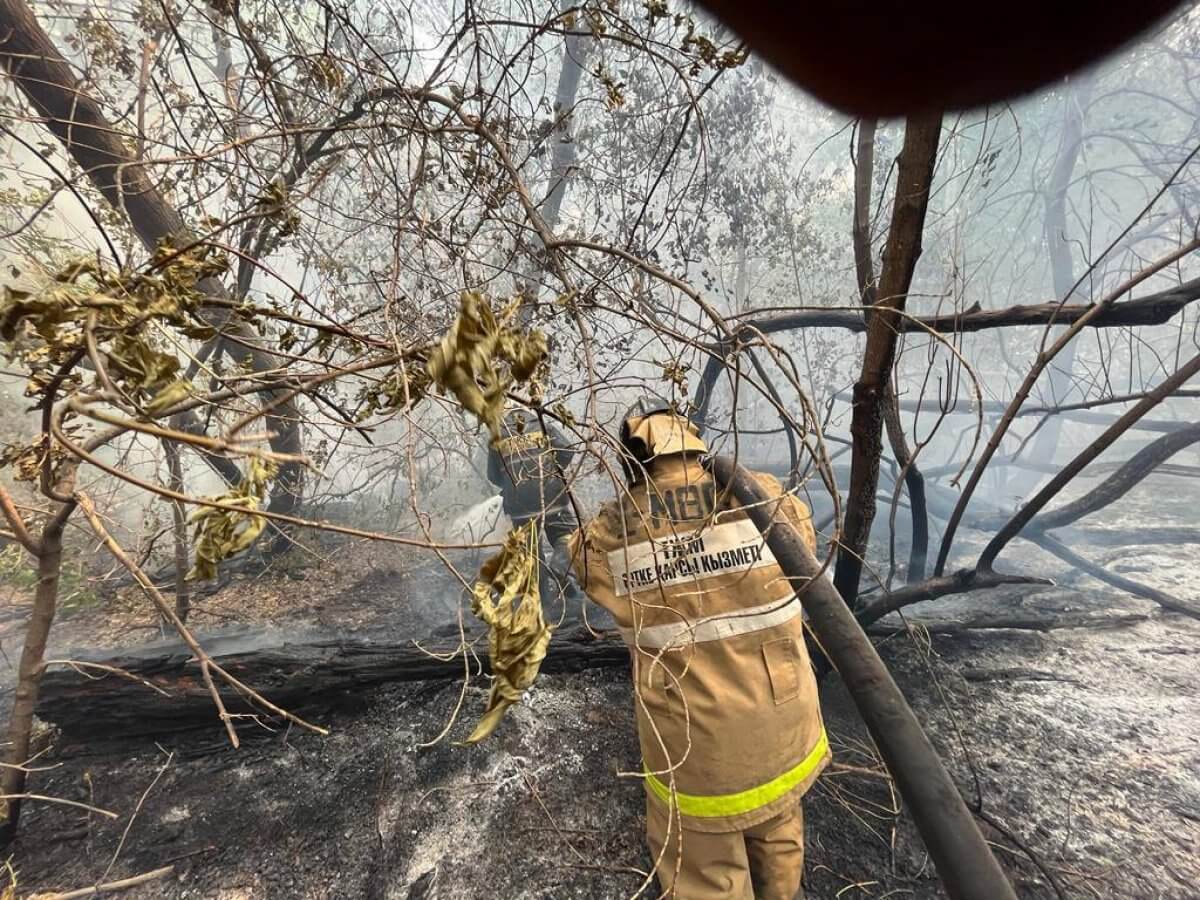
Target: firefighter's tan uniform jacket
727	709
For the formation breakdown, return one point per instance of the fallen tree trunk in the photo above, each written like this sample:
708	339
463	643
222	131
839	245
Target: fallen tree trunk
964	861
1052	545
964	407
1153	309
163	691
91	700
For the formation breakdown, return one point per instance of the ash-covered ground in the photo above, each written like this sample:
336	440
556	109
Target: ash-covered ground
1078	732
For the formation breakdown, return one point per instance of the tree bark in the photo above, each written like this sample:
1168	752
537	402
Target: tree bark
915	175
47	82
29	672
864	177
914	483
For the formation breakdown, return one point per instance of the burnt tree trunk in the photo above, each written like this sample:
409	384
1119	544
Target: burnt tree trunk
871	391
300	675
914	482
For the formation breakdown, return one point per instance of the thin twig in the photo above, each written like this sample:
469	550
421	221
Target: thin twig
137	809
79	666
121	885
167	611
16	523
103	812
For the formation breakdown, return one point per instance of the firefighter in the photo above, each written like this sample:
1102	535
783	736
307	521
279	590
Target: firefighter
528	463
727	710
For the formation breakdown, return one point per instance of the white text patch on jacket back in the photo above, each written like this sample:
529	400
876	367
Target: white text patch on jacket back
735	546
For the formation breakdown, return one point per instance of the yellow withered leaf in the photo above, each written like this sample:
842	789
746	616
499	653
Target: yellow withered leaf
175	392
507	599
139	364
221	533
44	329
481	356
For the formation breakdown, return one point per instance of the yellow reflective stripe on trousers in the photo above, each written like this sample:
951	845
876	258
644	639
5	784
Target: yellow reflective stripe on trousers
716	805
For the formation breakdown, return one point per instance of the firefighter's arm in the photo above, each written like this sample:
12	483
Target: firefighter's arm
495	473
577	548
558	443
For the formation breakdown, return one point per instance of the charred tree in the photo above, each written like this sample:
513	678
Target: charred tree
914	482
903	248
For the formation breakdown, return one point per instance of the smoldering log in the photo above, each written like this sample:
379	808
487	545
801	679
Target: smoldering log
301	674
323	672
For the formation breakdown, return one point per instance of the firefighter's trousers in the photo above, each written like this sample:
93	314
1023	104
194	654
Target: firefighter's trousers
764	862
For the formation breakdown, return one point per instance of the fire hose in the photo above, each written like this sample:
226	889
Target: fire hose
964	860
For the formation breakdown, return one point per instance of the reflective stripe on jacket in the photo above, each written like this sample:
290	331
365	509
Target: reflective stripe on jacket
727	709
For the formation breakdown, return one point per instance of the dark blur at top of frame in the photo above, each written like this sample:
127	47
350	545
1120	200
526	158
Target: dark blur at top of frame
895	57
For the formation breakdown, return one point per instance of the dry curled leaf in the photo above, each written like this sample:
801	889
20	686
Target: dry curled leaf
481	356
44	328
174	393
508	600
222	533
26	460
401	388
